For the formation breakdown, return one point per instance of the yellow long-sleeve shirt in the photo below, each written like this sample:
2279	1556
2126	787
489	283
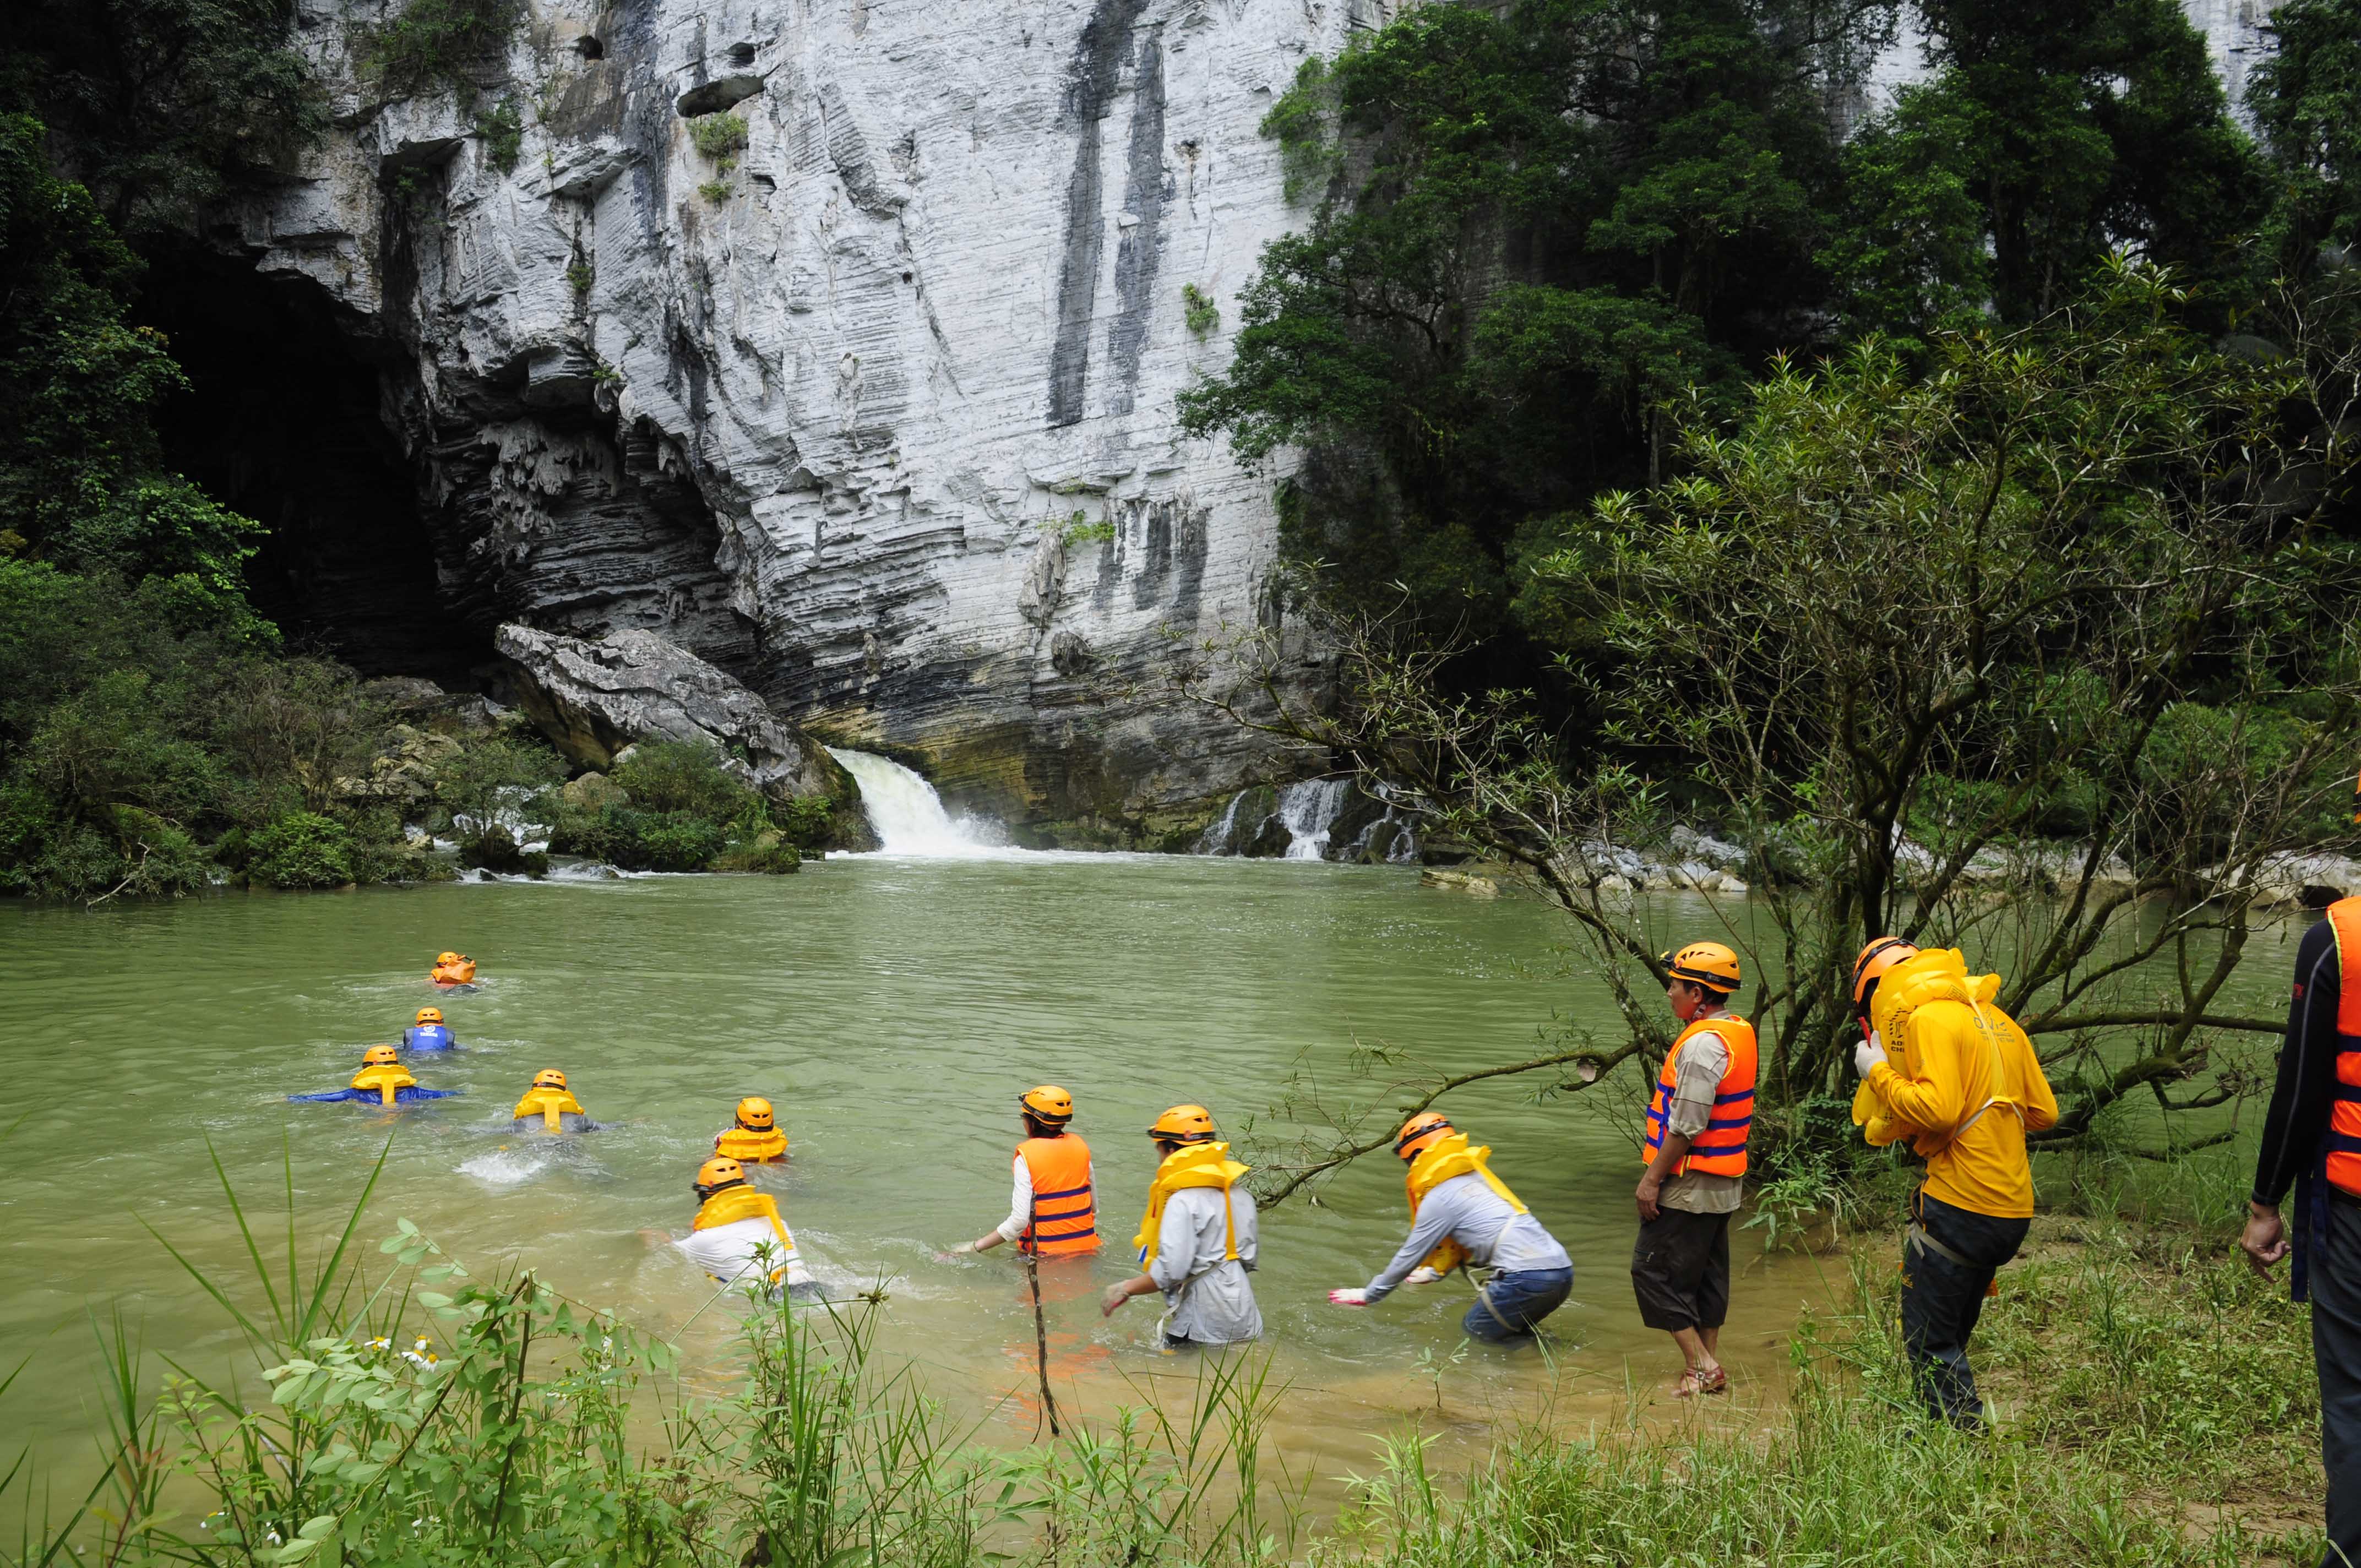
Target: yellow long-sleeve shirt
1959	1080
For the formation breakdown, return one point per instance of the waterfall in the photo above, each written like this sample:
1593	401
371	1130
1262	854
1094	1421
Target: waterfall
1309	810
907	811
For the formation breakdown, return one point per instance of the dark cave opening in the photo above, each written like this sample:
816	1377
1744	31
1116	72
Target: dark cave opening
281	421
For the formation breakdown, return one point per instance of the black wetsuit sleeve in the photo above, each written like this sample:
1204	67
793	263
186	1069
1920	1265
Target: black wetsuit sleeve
2302	1096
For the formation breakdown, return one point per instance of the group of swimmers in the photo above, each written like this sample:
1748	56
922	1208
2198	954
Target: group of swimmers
737	1234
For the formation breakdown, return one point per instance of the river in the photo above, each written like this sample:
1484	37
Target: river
893	1007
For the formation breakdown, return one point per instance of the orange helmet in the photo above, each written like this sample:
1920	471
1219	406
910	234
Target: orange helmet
1183	1124
1708	964
1049	1104
380	1056
1421	1133
754	1114
446	958
549	1077
1881	955
430	1015
716	1173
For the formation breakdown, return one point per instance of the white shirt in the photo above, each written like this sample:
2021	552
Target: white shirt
1020	1198
732	1251
1206	1294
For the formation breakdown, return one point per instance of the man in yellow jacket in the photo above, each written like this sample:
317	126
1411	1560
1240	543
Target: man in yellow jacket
1944	1068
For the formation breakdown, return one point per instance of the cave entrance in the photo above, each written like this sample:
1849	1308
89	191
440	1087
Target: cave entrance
281	421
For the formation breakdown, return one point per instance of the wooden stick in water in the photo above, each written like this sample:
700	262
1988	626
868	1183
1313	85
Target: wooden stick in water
1029	1244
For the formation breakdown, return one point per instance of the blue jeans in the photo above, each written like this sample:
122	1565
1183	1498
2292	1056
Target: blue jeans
1509	1305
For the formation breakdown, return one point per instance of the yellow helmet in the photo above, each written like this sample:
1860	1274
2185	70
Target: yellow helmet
549	1077
1420	1132
1183	1124
380	1056
1708	964
446	958
1881	955
754	1114
430	1015
1049	1104
718	1172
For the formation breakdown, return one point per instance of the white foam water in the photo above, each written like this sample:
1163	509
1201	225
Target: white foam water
907	814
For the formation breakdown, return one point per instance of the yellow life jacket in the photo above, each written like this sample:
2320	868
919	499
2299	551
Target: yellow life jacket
384	1079
549	1104
1191	1165
732	1204
745	1143
1937	974
1439	1162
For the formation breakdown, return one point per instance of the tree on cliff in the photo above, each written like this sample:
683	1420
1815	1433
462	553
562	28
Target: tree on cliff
2051	652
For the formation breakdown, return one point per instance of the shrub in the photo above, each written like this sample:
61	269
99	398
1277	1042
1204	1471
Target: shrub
675	841
502	134
436	40
494	772
769	855
302	850
719	137
681	775
1199	309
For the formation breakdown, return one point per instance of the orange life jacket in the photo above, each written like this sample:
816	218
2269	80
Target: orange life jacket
1720	1148
1065	1215
2344	1150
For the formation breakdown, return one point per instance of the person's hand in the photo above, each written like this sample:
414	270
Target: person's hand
1646	1194
2265	1241
962	1249
1113	1296
1868	1054
1422	1274
1355	1296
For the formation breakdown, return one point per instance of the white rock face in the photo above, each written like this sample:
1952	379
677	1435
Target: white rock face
881	419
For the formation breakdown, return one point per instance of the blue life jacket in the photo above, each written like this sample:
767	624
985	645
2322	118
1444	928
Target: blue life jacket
428	1038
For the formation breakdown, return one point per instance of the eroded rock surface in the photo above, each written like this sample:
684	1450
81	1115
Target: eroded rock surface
876	415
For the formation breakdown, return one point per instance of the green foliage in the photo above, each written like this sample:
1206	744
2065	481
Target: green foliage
720	137
769	854
1198	310
435	42
807	821
502	134
1080	530
496	771
2305	97
683	776
161	107
581	277
715	191
302	850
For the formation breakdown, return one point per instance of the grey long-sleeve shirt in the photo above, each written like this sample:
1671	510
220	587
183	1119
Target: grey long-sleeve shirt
1206	1290
1468	1211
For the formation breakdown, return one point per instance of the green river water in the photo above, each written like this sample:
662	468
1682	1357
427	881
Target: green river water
892	1009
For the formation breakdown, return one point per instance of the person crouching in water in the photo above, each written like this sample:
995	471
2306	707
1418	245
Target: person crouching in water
1696	1150
550	1107
1052	1210
756	1138
1941	1066
1462	1213
1197	1239
429	1033
737	1236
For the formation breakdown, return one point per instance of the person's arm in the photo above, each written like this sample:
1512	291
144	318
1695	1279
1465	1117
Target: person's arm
2040	1100
1436	1219
1936	1100
1176	1250
2301	1094
1696	1077
1020	1210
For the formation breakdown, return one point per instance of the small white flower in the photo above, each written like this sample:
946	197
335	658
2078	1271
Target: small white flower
273	1539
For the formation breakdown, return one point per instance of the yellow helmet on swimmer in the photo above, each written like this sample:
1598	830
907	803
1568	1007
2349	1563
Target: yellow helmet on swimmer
1880	955
1426	1128
1048	1104
1707	964
430	1015
446	958
549	1077
380	1056
716	1173
756	1115
1183	1124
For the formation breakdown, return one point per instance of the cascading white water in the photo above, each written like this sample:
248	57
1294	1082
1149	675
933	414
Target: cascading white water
1309	809
907	811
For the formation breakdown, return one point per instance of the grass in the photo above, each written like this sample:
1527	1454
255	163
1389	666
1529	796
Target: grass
2156	1407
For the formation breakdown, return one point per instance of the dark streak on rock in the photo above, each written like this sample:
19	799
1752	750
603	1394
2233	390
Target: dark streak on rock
1138	251
1090	89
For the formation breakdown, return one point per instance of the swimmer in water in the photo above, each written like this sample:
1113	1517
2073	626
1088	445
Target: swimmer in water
550	1107
453	969
756	1138
382	1081
430	1033
738	1236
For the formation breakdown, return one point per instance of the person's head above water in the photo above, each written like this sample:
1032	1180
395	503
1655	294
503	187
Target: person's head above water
380	1056
756	1115
1421	1133
715	1174
1047	1109
549	1077
430	1015
1182	1125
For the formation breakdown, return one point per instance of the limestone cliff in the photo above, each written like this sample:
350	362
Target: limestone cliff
875	411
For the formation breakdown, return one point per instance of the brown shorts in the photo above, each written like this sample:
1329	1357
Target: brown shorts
1680	1270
